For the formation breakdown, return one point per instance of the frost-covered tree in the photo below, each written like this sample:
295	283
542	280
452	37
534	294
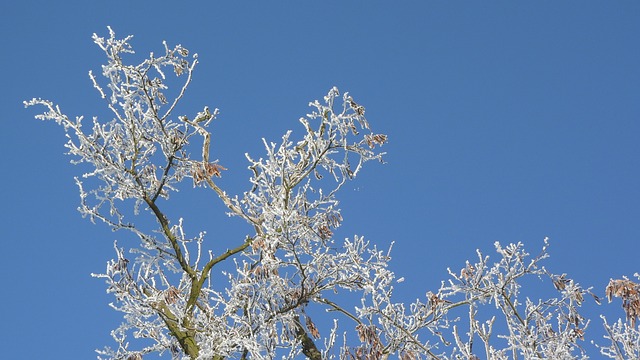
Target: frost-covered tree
256	299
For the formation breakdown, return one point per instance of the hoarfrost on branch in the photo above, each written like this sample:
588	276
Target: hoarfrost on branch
289	265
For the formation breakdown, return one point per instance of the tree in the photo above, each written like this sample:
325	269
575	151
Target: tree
268	284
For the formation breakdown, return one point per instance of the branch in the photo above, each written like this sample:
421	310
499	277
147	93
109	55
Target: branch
164	223
196	285
309	348
186	338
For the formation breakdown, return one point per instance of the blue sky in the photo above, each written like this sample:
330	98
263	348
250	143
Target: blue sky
507	121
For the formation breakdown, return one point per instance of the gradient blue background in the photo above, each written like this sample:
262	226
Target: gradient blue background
508	121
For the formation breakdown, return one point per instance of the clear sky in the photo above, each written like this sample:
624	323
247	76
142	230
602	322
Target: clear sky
507	121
